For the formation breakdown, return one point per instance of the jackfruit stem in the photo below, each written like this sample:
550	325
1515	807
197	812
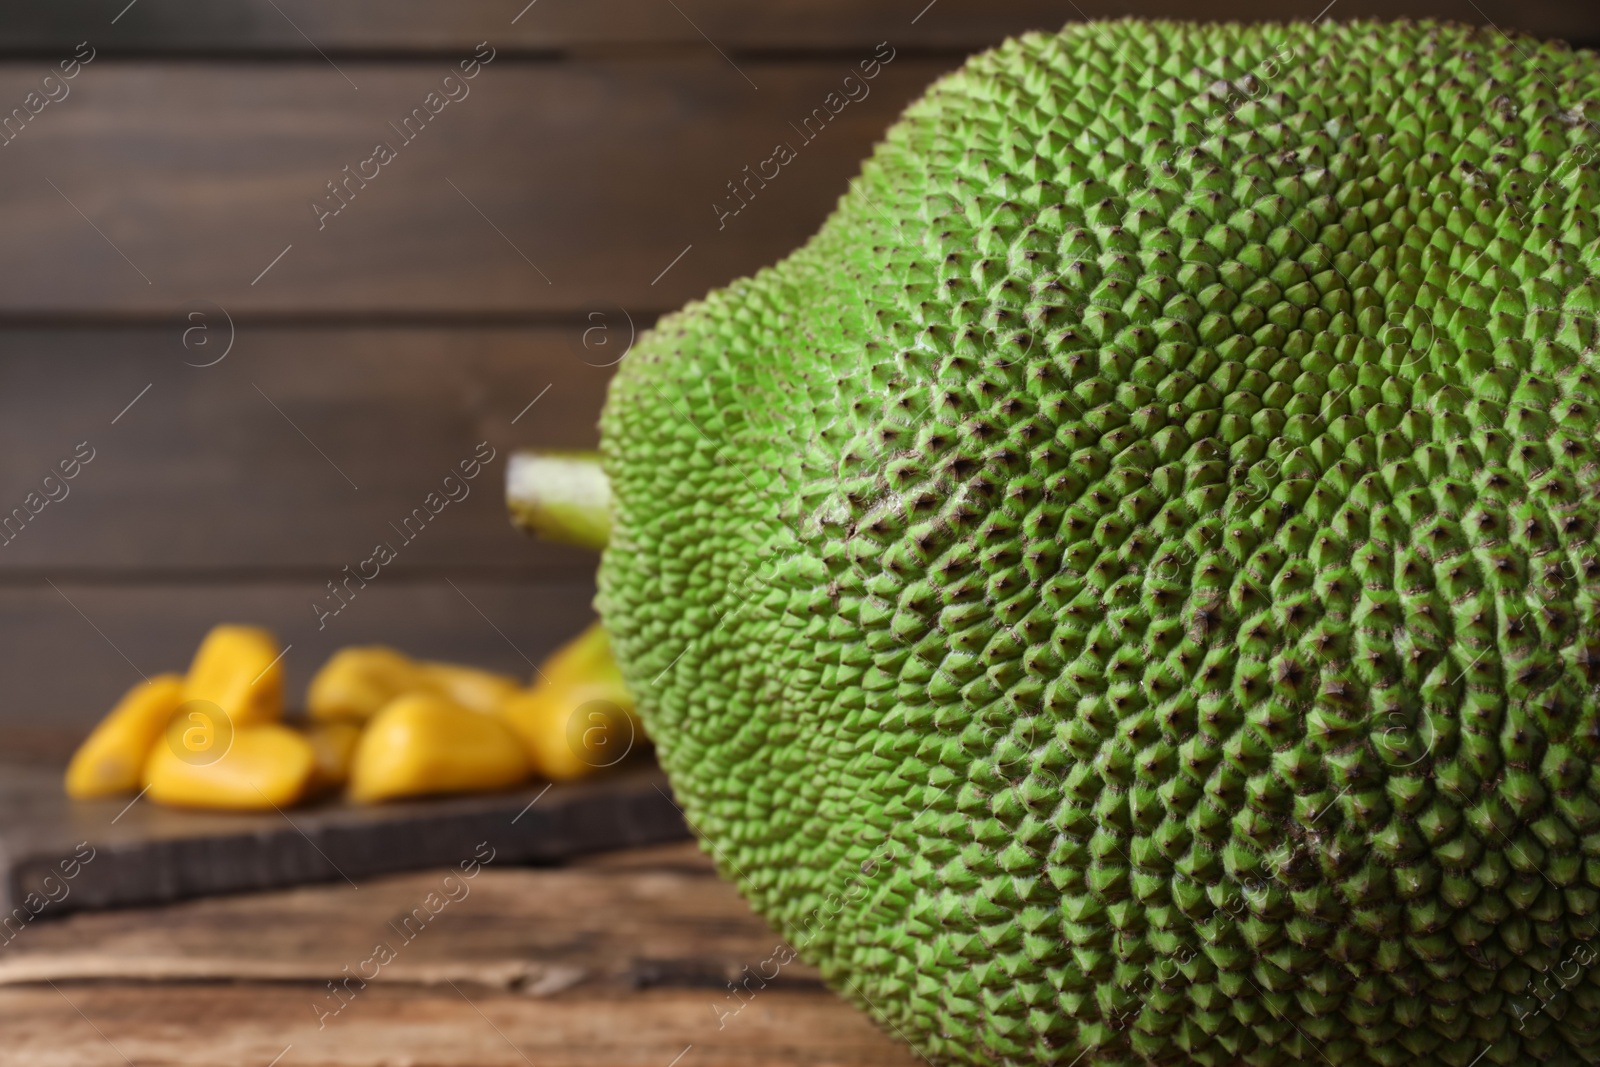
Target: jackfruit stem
560	496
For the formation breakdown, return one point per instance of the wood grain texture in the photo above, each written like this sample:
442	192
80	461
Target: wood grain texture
548	189
250	1023
598	965
356	26
663	919
70	650
221	495
243	466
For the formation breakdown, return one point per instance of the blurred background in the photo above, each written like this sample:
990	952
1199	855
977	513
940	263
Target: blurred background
275	343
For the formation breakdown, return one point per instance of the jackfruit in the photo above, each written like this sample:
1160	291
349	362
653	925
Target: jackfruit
240	670
1124	592
577	717
111	758
424	743
357	681
471	687
259	767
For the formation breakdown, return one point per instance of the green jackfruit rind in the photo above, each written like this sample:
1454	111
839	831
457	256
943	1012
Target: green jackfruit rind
1123	594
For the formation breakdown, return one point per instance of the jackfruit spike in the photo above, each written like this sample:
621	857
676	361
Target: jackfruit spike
560	496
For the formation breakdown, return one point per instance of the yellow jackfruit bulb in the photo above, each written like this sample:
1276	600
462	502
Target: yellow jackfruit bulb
261	767
357	682
424	743
334	744
586	657
112	757
572	729
240	670
470	687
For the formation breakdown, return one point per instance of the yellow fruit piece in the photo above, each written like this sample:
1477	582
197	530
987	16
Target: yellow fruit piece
238	669
586	657
334	744
578	717
263	767
470	687
572	729
112	756
424	743
357	682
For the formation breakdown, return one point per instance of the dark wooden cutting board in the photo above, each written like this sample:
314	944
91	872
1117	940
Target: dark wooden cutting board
76	855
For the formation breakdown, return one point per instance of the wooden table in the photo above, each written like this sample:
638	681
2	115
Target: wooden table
622	959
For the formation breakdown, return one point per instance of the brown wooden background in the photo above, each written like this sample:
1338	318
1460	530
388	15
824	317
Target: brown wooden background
454	290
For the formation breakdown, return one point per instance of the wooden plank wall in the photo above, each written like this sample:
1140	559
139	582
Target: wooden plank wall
159	207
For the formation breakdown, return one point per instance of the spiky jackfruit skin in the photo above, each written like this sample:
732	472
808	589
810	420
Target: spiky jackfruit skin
1124	591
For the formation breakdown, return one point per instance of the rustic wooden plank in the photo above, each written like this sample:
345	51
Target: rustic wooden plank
181	26
249	1024
571	187
66	669
660	917
415	25
623	961
58	855
576	188
295	453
